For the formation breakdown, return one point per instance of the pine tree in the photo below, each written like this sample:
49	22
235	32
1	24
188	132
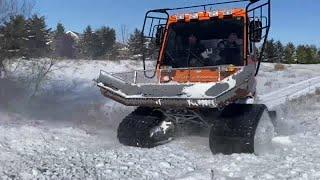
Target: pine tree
14	37
60	31
289	53
301	54
86	43
307	54
115	52
2	42
103	42
2	53
279	52
39	37
312	54
58	40
96	46
108	39
270	51
135	43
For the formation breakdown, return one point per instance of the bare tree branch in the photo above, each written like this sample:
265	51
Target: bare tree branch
10	8
124	34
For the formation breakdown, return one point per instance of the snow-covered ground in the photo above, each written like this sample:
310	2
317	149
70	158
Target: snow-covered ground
69	131
270	80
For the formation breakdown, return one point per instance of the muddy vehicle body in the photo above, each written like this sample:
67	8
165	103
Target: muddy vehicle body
204	75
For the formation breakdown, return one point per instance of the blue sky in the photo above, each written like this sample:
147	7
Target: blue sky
297	21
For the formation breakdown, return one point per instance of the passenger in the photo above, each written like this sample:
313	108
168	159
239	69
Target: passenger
232	50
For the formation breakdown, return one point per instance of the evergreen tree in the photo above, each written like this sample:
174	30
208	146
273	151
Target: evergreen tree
302	54
86	43
108	39
2	53
115	52
312	54
103	41
270	51
96	46
14	38
289	53
279	52
60	31
58	40
135	43
38	35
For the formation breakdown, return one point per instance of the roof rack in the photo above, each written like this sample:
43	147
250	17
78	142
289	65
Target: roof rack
204	6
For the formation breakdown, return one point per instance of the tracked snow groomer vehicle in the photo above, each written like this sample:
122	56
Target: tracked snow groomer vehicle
207	60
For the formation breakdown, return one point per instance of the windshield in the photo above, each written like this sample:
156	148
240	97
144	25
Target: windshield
205	43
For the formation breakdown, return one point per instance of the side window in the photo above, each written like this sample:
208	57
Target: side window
169	49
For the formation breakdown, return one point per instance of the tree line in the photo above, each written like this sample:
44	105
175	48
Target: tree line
31	38
276	52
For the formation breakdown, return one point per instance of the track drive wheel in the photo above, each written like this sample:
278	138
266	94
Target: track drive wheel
242	128
145	128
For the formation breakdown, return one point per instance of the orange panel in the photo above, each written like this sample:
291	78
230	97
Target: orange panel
204	76
184	76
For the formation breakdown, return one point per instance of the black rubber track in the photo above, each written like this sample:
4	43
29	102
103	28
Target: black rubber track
234	130
134	130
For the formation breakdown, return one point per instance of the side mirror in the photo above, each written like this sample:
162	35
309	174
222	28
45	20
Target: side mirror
159	35
255	31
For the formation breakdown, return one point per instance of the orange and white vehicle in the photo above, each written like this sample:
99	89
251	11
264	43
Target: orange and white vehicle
204	73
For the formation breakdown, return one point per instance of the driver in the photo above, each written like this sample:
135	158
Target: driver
198	53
